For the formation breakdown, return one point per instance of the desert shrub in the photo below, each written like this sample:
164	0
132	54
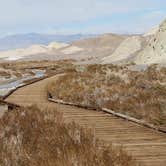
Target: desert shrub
4	74
140	94
31	137
51	67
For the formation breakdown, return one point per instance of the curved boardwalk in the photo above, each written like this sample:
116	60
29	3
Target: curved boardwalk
146	145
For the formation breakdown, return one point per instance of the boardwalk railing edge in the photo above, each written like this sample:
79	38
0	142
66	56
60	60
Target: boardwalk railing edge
119	115
26	84
10	105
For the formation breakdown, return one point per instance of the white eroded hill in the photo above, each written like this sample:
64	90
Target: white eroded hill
23	53
155	51
128	47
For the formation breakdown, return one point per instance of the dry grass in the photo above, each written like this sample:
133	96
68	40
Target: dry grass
5	74
18	70
140	94
34	64
32	138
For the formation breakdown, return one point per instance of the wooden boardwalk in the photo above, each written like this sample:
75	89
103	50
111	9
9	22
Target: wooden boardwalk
146	146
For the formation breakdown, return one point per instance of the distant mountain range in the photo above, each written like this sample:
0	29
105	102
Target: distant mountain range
108	48
26	40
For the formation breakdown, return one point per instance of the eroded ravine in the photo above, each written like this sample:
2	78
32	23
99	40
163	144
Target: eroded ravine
146	145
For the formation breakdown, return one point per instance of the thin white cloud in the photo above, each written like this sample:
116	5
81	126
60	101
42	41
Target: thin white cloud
24	15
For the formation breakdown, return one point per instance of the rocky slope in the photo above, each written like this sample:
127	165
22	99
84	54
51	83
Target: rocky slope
128	47
100	47
149	48
155	51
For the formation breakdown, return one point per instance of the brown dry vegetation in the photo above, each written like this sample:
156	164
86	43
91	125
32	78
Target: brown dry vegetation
32	138
51	67
17	70
34	64
4	74
140	94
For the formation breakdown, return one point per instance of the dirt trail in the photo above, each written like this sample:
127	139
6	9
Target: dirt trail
147	146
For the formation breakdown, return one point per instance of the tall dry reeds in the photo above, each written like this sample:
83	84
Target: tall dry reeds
30	137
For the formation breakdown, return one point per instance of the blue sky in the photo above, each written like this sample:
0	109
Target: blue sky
80	16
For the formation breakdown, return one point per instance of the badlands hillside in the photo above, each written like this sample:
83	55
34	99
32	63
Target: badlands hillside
86	49
92	50
24	53
155	51
130	46
148	48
